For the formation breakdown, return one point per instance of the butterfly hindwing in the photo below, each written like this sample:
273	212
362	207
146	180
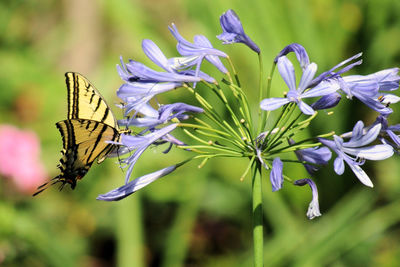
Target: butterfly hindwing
83	141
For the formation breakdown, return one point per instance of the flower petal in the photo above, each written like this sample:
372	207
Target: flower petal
233	31
376	152
308	75
338	165
273	103
138	183
286	70
361	175
305	108
313	208
300	52
276	174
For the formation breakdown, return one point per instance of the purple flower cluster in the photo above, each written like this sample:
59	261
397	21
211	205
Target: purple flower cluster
373	90
154	122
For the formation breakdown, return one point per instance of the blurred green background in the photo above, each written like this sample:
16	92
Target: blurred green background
192	217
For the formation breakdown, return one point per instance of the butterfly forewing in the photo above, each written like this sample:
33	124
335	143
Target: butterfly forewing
85	102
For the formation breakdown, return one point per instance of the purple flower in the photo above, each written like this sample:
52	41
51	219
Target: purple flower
333	74
136	95
354	152
164	114
233	31
300	52
327	101
138	183
200	49
368	89
313	208
314	155
134	71
181	65
140	144
388	133
276	176
296	95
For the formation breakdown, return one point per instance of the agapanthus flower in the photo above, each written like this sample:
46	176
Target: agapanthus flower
233	31
388	134
371	89
276	175
297	95
355	151
200	48
334	73
299	50
180	65
314	155
137	72
136	184
164	114
139	144
327	101
313	207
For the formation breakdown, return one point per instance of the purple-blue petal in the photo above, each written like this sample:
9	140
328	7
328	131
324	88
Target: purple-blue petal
327	101
338	165
233	31
286	70
300	52
313	208
276	176
273	103
133	186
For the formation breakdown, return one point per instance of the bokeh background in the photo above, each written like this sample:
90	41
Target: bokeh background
192	217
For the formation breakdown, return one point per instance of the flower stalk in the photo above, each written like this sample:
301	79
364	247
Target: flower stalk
223	126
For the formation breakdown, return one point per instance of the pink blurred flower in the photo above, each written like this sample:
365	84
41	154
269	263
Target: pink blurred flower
19	158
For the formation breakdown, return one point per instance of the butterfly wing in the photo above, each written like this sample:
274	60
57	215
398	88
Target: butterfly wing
85	102
83	142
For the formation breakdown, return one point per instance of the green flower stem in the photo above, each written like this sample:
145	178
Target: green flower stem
222	135
260	83
283	120
196	126
265	115
213	147
223	98
248	168
281	115
208	143
234	71
280	135
219	137
211	114
242	102
291	148
306	121
258	238
227	125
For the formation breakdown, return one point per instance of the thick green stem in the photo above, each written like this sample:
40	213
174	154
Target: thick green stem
257	216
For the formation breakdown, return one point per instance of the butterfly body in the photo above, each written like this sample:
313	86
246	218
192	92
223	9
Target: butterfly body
89	133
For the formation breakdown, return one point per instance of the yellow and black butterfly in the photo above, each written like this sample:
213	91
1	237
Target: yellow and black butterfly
85	133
